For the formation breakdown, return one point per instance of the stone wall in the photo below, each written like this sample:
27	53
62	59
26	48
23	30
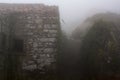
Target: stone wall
34	29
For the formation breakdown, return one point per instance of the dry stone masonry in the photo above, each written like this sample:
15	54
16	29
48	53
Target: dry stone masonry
33	29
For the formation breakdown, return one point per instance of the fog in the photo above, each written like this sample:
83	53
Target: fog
74	12
33	47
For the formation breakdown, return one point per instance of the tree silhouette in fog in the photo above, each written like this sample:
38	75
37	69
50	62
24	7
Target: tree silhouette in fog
99	51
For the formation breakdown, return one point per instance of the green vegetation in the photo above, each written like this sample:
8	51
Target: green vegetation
99	51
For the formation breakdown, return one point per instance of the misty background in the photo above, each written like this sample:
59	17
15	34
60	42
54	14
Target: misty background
74	12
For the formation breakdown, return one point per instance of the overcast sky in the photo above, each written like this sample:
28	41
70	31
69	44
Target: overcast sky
73	12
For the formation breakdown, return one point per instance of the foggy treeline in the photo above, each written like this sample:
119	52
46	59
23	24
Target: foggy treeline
92	52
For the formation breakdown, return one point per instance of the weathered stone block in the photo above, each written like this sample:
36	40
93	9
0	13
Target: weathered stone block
37	25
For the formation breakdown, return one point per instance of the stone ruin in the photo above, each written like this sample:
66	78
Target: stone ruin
30	31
